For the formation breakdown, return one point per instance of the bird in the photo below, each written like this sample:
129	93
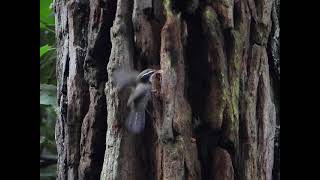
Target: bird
140	85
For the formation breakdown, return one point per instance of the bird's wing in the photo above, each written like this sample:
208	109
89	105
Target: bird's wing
140	96
123	78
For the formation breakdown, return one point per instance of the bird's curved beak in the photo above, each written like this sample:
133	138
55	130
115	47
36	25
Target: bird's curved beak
156	72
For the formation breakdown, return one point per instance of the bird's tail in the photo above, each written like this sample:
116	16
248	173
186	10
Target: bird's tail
135	121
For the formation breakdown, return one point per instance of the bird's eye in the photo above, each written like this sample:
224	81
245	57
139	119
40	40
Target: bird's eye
145	77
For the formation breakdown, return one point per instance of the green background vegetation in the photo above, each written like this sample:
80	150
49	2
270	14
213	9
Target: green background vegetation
48	102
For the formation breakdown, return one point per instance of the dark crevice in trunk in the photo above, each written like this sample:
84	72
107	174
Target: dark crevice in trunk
252	30
63	104
236	14
273	52
81	11
178	6
94	126
259	113
140	63
101	53
228	42
197	71
276	166
65	75
225	142
103	46
156	28
187	171
149	139
275	86
242	88
86	102
197	65
207	140
110	12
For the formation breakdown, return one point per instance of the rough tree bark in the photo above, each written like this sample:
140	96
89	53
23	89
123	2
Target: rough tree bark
214	112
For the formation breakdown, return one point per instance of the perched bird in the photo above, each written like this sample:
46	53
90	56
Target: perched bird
140	84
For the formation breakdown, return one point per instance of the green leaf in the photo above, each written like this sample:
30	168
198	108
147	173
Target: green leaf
48	68
44	49
47	35
48	94
42	26
46	14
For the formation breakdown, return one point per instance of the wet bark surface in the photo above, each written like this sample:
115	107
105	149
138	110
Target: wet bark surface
214	112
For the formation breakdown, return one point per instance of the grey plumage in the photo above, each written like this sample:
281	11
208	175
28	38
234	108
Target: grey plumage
135	121
140	95
125	78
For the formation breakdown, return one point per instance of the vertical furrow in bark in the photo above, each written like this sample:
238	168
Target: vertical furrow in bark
74	102
259	118
274	42
266	118
197	77
179	157
145	45
258	110
237	54
94	125
93	136
249	139
219	113
218	81
262	24
62	72
274	61
122	156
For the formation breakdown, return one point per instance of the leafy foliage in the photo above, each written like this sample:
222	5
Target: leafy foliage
48	92
46	14
48	173
48	69
47	124
47	35
44	49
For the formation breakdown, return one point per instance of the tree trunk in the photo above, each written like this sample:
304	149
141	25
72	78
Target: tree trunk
214	112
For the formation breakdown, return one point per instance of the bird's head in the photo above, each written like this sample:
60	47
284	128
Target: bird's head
146	75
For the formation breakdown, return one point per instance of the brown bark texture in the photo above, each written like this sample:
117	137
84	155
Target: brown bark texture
214	112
